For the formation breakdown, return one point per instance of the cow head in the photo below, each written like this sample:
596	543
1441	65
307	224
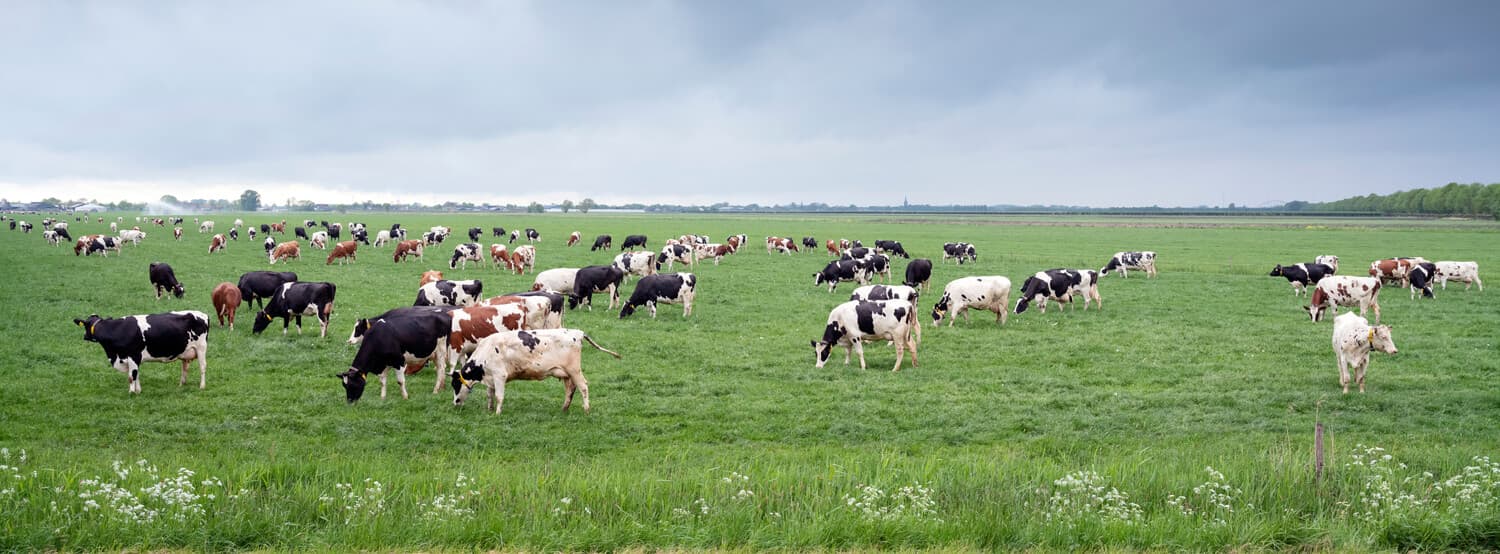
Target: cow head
353	380
1380	339
821	351
262	320
463	380
88	326
1276	271
1023	303
938	309
360	327
627	311
1316	311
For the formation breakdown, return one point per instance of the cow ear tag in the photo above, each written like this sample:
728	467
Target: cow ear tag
1372	334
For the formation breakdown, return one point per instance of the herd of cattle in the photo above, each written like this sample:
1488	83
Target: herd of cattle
473	339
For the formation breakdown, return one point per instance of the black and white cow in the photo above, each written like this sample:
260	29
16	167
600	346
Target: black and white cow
918	273
362	325
164	280
670	288
1086	284
62	231
468	252
632	241
959	251
1302	275
294	300
602	241
260	285
234	233
450	293
1052	284
981	292
841	270
406	342
361	235
1123	261
1421	277
103	245
675	254
474	233
497	231
301	232
596	278
853	323
514	234
885	292
544	309
641	263
334	231
1330	261
130	340
532	235
892	247
810	243
878	264
270	244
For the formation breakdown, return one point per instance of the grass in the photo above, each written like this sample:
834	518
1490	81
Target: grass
1211	364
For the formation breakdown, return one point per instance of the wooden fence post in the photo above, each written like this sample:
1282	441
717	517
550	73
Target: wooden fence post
1318	452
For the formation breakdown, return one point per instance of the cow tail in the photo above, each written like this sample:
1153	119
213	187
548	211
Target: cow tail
912	321
596	345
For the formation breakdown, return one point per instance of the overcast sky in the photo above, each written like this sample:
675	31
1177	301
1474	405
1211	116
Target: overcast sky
1081	103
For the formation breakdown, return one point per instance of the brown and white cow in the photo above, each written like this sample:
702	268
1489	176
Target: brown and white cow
343	252
177	233
782	245
226	297
430	277
526	355
523	259
475	323
500	256
217	243
407	248
1343	290
544	310
286	251
1353	339
319	240
1463	272
574	238
1391	271
833	247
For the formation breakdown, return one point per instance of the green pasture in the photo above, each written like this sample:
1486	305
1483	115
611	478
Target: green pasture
1063	430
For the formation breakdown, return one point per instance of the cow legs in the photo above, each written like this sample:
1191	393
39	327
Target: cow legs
1359	374
1377	312
202	370
400	380
687	307
859	346
183	380
382	384
900	343
497	396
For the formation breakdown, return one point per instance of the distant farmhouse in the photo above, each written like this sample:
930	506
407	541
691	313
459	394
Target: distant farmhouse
86	208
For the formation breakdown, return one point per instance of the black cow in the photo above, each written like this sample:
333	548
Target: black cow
62	232
362	325
443	292
12	224
333	231
810	243
841	270
961	251
671	288
294	300
891	246
856	252
602	241
918	272
475	233
265	229
406	342
1421	276
1053	284
394	228
1302	275
128	341
596	278
632	241
497	231
300	232
532	235
163	279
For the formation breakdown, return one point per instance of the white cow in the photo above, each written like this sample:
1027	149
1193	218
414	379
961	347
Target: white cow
1328	260
528	355
1463	272
133	235
320	240
206	226
852	323
556	280
991	292
1343	290
1353	339
381	238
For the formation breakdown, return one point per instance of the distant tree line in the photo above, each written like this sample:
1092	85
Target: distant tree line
1474	199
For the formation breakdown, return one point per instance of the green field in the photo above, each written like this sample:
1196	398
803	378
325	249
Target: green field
717	432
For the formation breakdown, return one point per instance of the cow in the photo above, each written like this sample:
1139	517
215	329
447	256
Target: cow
301	233
833	247
636	263
885	292
429	277
532	236
919	273
51	237
713	250
343	252
177	221
602	242
1085	284
382	238
1123	261
206	226
990	292
467	252
334	231
675	253
475	323
632	241
408	248
226	299
526	355
544	309
556	280
449	293
497	231
523	259
405	340
252	233
959	251
130	340
1421	277
25	227
320	240
270	244
159	222
1343	290
1052	284
514	234
362	325
239	222
177	233
1391	271
395	229
674	288
778	244
891	247
853	323
1302	275
265	229
217	243
1353	339
475	233
234	233
62	233
164	280
841	270
1328	260
500	256
877	264
260	285
574	238
285	251
308	223
294	300
360	235
810	243
596	278
1463	272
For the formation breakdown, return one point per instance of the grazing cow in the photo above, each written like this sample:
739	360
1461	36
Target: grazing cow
362	325
1123	261
556	280
712	250
164	280
514	234
497	231
1353	339
265	229
360	235
675	253
398	235
891	247
833	247
286	250
877	264
885	292
918	273
526	355
404	339
252	233
270	244
500	256
1343	290
602	241
310	223
636	263
301	233
239	222
778	244
334	231
809	243
983	293
177	233
596	278
395	228
449	293
532	235
544	309
675	288
1463	272
574	238
475	233
430	276
217	243
1052	284
1391	271
853	323
25	227
1302	275
343	252
51	237
1421	277
382	238
475	323
226	298
177	221
135	236
114	227
841	270
523	259
234	233
294	300
206	226
468	252
159	222
632	241
130	340
260	285
320	240
408	248
959	251
1330	261
1085	283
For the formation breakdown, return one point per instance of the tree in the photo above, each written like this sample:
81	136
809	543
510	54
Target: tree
586	205
250	200
567	205
535	208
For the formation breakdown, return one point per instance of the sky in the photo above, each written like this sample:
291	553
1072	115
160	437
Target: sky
1178	103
